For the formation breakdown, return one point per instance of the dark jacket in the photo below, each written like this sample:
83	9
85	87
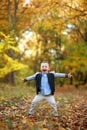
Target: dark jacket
50	81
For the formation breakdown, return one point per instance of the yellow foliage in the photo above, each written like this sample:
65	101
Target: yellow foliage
13	65
7	63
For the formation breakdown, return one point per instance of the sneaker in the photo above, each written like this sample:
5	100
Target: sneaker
30	114
57	116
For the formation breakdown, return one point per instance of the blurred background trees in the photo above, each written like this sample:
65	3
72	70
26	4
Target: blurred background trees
32	31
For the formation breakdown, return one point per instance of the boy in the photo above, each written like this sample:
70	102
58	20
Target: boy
45	87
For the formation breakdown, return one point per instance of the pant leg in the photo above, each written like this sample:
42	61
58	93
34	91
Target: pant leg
52	102
36	99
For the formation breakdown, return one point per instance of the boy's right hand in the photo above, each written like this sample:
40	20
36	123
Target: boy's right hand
24	80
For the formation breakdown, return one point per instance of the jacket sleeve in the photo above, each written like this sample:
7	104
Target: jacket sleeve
32	77
60	75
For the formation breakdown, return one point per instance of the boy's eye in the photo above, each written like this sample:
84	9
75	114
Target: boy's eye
44	66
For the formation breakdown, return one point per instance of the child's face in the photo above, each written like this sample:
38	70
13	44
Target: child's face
44	67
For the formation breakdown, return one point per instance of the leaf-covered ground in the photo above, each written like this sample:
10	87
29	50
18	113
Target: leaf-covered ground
72	106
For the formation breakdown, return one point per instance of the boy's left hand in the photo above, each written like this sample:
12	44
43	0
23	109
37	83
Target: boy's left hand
69	75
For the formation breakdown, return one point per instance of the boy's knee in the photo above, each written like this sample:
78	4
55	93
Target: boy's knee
34	102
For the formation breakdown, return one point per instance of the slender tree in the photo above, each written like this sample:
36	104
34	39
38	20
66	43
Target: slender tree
12	27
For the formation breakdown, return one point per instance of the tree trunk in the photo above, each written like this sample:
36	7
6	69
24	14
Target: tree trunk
12	27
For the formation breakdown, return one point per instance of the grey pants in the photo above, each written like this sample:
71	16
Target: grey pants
50	99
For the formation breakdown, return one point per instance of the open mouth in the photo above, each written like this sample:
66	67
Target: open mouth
44	70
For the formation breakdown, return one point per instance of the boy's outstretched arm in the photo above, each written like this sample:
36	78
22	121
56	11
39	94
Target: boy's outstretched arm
30	77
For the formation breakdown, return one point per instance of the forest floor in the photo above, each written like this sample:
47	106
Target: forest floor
15	103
